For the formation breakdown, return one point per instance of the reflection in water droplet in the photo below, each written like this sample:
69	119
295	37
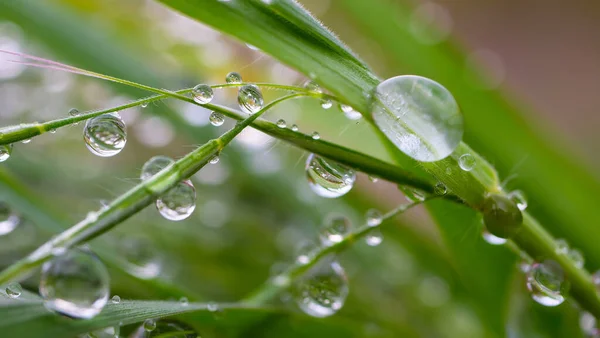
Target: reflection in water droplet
5	151
216	119
9	220
75	284
326	103
328	178
250	99
155	165
233	77
105	135
419	116
14	290
519	198
546	283
374	217
179	202
374	238
164	328
202	93
323	291
334	229
466	162
281	123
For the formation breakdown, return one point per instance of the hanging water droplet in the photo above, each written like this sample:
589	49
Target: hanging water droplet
155	165
345	108
374	217
281	123
326	103
141	256
413	195
334	229
203	93
165	328
374	238
323	291
501	216
26	141
184	301
491	239
250	99
327	178
75	284
115	299
73	112
216	119
547	284
440	189
349	112
105	135
179	202
561	246
466	162
14	290
52	131
214	160
144	104
419	116
577	257
5	151
149	325
294	127
312	86
519	198
315	135
233	77
9	220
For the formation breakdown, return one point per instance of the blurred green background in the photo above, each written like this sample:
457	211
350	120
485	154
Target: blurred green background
255	206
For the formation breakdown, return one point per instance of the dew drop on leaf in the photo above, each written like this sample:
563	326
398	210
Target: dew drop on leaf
216	119
14	290
323	291
75	284
373	217
250	99
9	220
202	93
115	299
281	123
334	229
5	151
315	135
328	178
105	135
179	202
294	127
466	162
233	77
419	116
184	301
155	165
547	283
440	189
374	238
501	216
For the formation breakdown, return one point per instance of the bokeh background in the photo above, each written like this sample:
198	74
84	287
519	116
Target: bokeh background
254	206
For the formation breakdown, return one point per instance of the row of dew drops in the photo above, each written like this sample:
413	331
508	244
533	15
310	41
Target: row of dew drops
417	114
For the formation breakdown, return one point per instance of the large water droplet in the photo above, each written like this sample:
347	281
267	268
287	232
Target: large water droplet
165	328
501	216
250	99
466	162
154	165
75	284
216	119
374	238
14	290
5	151
323	291
179	202
202	93
519	198
547	284
328	178
233	77
105	135
419	116
334	230
9	220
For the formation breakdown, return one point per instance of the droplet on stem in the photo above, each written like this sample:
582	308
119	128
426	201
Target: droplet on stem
202	93
519	198
9	220
155	165
105	135
334	229
547	283
216	119
281	123
374	217
233	77
179	202
501	216
328	178
374	238
326	103
312	86
323	291
250	99
5	151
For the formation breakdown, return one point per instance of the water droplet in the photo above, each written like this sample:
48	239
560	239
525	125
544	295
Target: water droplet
179	202
155	165
323	291
144	104
328	178
519	198
349	112
184	301
547	284
203	93
212	307
413	195
577	257
491	239
281	123
5	151
52	131
73	112
107	332
141	255
374	238
440	189
115	299
501	216
294	127
419	116
75	284
216	119
374	217
26	141
326	103
149	325
334	230
214	159
14	290
305	252
105	135
561	246
345	108
312	86
233	77
250	99
9	220
315	135
165	328
466	162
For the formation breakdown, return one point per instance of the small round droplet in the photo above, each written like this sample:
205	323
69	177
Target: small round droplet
519	198
75	284
326	103
216	119
561	246
144	104
374	238
105	135
184	301
374	217
115	299
281	123
577	257
315	135
491	239
149	325
440	189
9	220
466	162
73	112
323	291
155	165
52	131
294	127
501	216
419	116
214	160
312	86
26	141
165	328
334	230
547	284
327	178
233	77
203	93
413	195
5	151
14	290
250	99
179	202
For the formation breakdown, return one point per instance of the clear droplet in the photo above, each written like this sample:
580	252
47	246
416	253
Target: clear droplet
466	162
501	216
75	284
577	257
323	291
349	112
52	131
105	135
9	220
419	116
214	160
281	123
203	93
328	178
73	112
294	127
561	246
155	165
374	238
141	256
26	141
179	202
491	239
312	86
216	119
184	301
334	229
440	189
115	299
5	151
233	77
144	104
315	136
326	103
519	198
149	325
374	217
165	328
250	99
547	284
413	195
14	290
